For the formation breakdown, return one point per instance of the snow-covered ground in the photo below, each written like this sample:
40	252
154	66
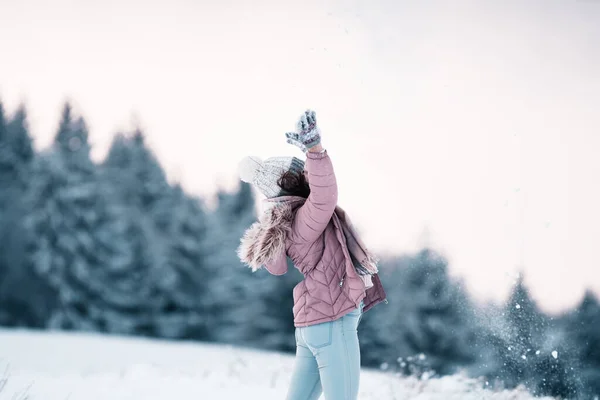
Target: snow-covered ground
53	366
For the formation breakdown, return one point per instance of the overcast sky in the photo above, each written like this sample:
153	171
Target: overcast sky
473	126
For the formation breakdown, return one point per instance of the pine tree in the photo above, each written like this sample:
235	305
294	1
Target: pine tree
191	250
141	186
139	183
181	239
136	173
132	296
78	241
523	314
583	331
6	161
380	343
147	206
16	151
18	132
587	328
530	350
236	210
443	325
522	337
234	299
6	168
274	330
431	325
71	141
25	299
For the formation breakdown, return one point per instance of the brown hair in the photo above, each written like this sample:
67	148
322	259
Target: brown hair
295	184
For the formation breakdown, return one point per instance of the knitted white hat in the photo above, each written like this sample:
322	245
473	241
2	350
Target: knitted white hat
265	174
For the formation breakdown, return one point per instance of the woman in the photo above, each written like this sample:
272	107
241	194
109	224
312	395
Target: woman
302	222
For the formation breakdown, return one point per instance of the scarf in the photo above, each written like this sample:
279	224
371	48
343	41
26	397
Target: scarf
265	239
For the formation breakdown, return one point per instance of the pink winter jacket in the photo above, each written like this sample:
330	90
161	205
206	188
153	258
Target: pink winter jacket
314	239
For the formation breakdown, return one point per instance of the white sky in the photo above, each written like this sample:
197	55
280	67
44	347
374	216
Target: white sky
477	122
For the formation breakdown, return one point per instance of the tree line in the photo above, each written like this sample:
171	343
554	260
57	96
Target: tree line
115	247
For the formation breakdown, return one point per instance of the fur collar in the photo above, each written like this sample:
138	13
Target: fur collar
266	238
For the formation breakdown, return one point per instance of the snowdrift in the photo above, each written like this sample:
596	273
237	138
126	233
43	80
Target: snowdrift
73	366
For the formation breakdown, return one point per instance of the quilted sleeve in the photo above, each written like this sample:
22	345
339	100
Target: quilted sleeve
312	218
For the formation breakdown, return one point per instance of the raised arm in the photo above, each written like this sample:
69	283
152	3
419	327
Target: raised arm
314	215
312	218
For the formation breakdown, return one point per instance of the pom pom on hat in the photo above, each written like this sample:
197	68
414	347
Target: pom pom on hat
248	168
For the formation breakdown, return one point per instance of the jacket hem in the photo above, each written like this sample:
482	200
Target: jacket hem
328	319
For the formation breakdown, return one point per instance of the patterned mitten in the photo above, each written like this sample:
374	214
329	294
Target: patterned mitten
307	133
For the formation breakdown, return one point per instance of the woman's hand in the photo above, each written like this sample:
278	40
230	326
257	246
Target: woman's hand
307	136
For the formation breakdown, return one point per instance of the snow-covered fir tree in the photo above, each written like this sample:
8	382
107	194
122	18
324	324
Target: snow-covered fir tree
192	250
7	161
379	346
25	300
140	180
135	299
528	349
582	327
275	329
21	141
431	323
180	235
77	243
16	151
235	297
236	210
132	173
522	335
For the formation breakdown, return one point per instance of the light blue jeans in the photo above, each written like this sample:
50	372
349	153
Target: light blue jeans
327	360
